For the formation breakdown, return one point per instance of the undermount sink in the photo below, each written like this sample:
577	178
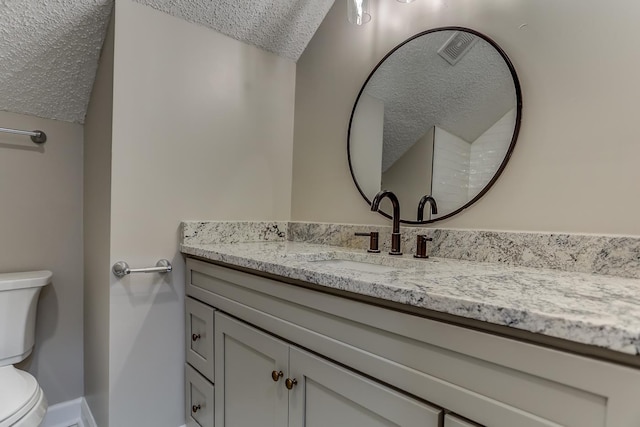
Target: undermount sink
365	267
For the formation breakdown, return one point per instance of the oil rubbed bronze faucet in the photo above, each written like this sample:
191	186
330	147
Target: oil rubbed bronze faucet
422	203
395	235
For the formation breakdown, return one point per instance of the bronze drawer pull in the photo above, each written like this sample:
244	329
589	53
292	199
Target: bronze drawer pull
276	375
195	337
195	408
289	383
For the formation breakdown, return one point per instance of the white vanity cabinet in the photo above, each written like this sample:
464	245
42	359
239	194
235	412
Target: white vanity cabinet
359	361
268	382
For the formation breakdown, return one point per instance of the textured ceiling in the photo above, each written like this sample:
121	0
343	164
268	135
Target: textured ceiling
49	49
49	53
284	27
421	90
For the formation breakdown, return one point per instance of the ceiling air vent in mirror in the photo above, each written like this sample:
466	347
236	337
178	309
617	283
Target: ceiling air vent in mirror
457	46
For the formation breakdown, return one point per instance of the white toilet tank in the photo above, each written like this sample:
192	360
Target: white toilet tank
18	302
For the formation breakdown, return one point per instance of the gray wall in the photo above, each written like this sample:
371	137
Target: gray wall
199	126
97	228
41	228
574	168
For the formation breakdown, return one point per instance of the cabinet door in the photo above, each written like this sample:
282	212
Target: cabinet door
245	359
329	395
453	421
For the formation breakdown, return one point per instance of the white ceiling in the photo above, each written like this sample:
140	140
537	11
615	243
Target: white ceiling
49	53
49	49
283	27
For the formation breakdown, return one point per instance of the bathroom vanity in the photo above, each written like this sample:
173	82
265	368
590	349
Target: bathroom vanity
292	334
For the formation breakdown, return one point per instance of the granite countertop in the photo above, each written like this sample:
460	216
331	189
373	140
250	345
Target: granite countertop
602	311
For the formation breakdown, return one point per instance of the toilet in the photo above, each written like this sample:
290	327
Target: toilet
22	402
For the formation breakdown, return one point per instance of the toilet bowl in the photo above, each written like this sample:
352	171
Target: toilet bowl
22	402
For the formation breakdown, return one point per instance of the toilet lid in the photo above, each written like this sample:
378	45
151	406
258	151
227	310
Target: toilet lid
18	390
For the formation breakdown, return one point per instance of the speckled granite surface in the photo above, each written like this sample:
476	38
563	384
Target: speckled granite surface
233	231
609	255
591	309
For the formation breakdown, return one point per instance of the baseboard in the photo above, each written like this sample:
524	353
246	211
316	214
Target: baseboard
86	417
69	413
72	412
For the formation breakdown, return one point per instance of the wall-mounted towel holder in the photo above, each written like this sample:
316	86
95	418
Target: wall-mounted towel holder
37	136
121	268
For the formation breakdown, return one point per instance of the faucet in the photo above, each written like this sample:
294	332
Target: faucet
423	201
395	235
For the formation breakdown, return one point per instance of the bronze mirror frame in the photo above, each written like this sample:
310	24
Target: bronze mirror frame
516	131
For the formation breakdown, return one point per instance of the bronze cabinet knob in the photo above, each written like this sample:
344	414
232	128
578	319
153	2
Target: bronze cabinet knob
276	375
195	408
289	383
195	337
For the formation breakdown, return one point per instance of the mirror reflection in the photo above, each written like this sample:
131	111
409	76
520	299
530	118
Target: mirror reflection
438	116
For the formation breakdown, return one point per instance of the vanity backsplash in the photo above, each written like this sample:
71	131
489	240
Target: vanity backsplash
204	232
585	253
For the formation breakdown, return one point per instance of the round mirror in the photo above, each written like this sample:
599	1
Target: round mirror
438	116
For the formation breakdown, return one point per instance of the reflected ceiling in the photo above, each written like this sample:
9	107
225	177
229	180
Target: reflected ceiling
421	90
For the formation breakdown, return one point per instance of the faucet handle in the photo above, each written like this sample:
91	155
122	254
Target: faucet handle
373	241
421	246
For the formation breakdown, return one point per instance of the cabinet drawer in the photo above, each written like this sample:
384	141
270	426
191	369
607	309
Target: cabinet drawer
199	336
453	421
198	399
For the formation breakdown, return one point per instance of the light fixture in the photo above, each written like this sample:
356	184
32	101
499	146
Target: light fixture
358	11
